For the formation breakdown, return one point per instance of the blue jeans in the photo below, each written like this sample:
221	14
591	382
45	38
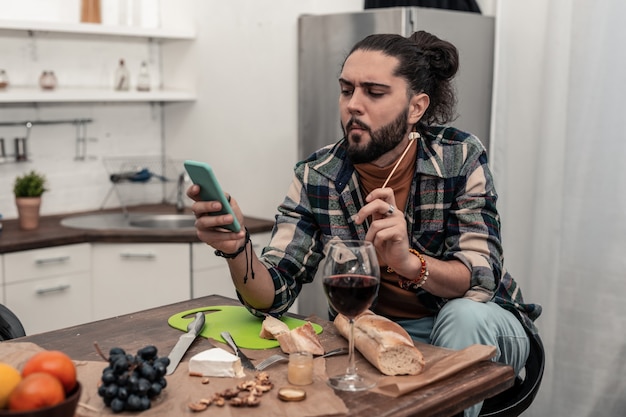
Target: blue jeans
463	322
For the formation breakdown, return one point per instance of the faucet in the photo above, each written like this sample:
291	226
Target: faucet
180	204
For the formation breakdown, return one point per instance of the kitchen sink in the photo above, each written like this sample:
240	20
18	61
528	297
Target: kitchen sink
130	221
164	221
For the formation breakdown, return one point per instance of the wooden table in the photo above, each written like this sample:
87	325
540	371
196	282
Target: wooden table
133	331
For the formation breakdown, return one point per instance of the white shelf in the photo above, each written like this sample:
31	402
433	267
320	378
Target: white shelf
96	29
83	95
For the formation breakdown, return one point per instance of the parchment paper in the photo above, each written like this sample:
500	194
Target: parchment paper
182	389
438	367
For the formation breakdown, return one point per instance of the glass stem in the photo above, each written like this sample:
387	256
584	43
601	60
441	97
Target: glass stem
351	371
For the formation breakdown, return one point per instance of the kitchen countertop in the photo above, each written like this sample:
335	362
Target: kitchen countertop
52	233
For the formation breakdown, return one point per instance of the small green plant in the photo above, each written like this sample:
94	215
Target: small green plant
31	184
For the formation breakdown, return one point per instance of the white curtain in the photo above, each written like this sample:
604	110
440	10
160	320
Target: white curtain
559	158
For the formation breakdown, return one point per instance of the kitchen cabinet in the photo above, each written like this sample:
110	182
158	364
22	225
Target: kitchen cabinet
136	276
209	273
49	288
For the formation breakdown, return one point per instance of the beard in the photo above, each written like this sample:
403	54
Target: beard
381	141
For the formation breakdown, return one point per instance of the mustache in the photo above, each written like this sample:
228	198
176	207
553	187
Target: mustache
356	122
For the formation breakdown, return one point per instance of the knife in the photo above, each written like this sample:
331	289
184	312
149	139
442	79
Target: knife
245	361
193	330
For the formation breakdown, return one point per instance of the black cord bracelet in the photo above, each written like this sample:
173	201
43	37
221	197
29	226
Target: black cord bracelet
237	252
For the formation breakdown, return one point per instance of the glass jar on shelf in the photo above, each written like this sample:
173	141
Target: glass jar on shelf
48	80
4	79
122	77
143	79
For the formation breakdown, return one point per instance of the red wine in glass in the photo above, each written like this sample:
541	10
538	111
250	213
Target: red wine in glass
351	280
350	294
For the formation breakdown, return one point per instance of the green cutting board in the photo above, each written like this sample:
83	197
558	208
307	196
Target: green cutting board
243	326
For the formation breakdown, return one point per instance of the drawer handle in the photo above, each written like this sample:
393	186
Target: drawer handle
55	260
128	255
58	288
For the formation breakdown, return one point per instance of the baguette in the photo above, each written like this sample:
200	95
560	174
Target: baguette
272	327
384	343
301	339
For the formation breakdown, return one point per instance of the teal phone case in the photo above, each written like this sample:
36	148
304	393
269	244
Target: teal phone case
202	174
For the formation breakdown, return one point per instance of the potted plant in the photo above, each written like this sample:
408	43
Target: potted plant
28	189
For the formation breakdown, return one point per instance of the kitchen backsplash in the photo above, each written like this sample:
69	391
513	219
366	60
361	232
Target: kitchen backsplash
117	131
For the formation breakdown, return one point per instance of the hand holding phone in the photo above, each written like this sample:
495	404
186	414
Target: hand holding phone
210	190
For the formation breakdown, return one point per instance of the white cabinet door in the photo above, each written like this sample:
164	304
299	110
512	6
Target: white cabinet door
49	288
47	304
137	276
210	274
46	262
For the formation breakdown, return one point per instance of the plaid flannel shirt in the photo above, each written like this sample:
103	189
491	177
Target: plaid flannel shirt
451	214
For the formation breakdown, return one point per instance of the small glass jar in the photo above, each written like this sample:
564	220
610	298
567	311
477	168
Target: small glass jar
4	79
143	79
300	368
122	77
47	80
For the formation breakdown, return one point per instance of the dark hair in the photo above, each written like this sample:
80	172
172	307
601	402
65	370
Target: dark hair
427	63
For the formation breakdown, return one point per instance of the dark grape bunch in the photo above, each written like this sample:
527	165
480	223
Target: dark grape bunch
130	382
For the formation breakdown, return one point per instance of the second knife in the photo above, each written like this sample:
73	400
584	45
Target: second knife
245	361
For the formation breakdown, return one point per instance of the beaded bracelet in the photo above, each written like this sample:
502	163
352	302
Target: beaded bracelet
235	253
409	284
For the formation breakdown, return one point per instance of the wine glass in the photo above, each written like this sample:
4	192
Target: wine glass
351	279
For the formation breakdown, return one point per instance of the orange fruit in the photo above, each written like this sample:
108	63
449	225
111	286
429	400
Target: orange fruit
9	378
53	362
35	391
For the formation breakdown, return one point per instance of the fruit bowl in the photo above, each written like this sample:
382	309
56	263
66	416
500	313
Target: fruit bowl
66	408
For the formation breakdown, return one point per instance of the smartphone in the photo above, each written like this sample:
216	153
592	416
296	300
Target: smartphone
210	190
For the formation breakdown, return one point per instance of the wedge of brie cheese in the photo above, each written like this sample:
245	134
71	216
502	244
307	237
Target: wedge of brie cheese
216	362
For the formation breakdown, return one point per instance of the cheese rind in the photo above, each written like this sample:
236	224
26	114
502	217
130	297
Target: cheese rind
216	362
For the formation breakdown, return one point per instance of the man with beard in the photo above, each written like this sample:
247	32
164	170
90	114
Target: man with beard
420	191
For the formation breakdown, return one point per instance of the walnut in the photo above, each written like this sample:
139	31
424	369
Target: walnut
251	392
262	377
263	388
199	406
247	385
229	393
237	402
218	401
252	401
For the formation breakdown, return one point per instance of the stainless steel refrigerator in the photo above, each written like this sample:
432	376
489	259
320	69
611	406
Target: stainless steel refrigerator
325	40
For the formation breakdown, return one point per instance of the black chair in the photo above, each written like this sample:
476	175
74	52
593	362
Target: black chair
512	402
10	326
